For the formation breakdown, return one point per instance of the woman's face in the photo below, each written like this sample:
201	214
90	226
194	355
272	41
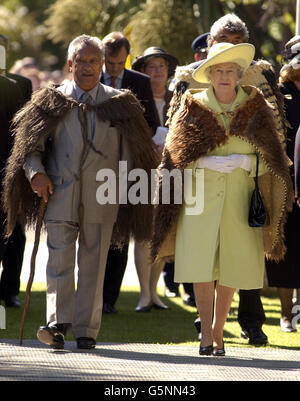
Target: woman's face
157	69
224	77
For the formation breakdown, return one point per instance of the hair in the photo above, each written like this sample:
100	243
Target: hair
84	40
114	41
155	56
230	23
240	71
288	73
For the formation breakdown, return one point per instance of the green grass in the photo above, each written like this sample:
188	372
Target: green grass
174	326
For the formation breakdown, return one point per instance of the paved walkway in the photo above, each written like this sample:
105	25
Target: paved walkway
137	362
143	362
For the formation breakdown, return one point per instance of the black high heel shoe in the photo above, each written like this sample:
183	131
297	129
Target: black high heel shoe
146	308
219	351
208	350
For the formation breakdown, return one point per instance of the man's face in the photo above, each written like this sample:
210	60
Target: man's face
86	67
115	64
228	37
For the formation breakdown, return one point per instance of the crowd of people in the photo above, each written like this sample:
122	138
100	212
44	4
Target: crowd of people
225	117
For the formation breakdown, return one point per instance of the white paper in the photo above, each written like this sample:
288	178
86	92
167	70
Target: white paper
160	135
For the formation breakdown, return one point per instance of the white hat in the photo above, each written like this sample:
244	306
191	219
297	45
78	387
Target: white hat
242	54
2	58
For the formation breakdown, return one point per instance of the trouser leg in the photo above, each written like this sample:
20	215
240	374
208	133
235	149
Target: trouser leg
61	241
12	263
250	313
189	289
168	276
114	273
94	241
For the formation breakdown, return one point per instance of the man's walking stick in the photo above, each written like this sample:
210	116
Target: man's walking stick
39	223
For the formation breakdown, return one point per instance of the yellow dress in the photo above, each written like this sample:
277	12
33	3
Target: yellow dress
218	244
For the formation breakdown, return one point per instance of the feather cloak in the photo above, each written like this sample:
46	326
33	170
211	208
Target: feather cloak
40	117
193	132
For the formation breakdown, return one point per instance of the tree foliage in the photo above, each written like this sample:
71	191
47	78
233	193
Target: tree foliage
172	29
271	23
69	18
171	24
25	35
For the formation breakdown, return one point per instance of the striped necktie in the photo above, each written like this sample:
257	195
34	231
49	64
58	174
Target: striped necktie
91	117
113	82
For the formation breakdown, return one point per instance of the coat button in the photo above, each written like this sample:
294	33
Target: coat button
221	193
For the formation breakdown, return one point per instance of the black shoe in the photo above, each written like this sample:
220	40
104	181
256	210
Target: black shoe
53	335
206	350
12	302
219	351
146	308
255	335
108	308
85	343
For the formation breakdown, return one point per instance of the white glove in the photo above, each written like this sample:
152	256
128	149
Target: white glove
225	164
237	161
216	163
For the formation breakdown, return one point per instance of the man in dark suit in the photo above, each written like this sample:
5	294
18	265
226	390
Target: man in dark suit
117	49
12	258
115	74
24	83
10	101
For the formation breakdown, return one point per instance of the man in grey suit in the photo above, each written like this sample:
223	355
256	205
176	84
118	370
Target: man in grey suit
89	137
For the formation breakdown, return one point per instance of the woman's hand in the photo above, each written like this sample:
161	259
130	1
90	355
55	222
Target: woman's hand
238	161
225	164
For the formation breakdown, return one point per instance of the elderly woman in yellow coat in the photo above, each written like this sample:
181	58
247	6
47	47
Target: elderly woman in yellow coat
217	134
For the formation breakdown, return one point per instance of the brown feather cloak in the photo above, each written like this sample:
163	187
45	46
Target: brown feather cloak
194	131
40	117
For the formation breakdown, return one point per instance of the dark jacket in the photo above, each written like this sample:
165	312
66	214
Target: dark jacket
10	102
24	84
139	84
291	97
297	164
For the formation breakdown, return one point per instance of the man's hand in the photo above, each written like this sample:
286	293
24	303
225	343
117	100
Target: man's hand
298	201
42	186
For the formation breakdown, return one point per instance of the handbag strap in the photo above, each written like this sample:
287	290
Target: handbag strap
256	175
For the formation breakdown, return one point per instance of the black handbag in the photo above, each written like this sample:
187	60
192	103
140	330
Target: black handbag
257	214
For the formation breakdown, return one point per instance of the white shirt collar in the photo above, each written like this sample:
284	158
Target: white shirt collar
107	78
93	92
